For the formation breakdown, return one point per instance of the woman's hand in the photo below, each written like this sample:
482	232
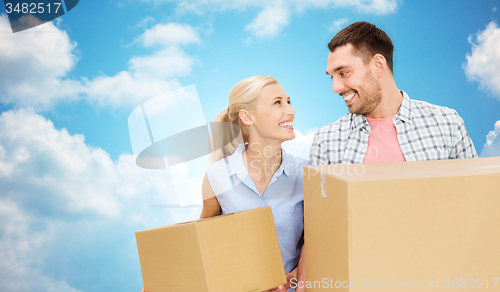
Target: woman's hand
289	277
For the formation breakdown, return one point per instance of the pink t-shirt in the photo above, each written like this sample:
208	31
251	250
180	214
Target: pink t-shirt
383	145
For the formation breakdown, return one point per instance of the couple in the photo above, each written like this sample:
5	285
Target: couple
383	125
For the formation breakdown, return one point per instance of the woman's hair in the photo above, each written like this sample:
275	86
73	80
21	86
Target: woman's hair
230	132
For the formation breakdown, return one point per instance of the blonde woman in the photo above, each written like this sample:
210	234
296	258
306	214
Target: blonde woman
254	171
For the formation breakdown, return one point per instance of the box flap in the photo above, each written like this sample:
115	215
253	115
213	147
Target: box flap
410	169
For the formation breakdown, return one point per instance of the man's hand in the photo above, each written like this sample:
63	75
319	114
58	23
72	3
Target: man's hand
289	277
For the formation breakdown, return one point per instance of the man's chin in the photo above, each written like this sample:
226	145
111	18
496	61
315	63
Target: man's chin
352	110
362	111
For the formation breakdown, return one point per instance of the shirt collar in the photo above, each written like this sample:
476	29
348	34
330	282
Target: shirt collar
359	122
236	166
404	112
235	162
286	166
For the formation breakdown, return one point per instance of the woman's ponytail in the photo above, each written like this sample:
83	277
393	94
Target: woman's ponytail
226	136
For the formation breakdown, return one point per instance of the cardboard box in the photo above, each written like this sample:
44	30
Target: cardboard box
234	252
420	226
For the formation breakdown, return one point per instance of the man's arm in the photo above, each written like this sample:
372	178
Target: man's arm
317	155
464	148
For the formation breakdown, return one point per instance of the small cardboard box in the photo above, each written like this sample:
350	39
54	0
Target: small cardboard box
420	226
234	252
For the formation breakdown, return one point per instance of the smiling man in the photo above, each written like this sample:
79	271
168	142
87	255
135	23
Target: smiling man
383	123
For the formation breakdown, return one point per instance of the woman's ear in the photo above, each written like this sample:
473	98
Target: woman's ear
245	117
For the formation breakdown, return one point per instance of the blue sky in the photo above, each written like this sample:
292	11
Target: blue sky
71	196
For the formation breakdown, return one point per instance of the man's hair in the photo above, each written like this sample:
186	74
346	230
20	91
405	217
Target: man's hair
367	40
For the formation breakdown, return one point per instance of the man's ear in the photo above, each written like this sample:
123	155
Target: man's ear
245	117
379	65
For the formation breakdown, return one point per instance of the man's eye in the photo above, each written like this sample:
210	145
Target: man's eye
343	74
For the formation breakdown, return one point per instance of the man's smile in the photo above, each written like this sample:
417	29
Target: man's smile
349	97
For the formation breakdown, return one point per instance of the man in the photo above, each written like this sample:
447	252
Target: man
383	123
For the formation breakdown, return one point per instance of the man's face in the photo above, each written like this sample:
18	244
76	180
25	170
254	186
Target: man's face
353	81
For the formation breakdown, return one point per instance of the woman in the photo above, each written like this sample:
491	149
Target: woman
251	169
258	172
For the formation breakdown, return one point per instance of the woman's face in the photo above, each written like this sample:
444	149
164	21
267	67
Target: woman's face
273	115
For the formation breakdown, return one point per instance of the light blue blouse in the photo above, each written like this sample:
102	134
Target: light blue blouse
236	191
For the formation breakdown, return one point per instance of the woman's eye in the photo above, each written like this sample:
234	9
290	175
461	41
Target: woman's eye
289	102
278	102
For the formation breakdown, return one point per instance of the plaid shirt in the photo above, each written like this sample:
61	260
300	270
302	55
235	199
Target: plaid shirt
425	132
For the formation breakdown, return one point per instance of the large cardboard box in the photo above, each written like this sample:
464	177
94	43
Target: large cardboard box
417	226
234	252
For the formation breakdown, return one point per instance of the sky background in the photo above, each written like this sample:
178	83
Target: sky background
71	195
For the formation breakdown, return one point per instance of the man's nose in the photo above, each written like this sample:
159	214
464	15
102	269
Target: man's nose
337	86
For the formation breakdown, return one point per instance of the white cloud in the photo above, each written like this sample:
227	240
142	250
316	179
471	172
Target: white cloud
20	251
365	6
376	6
35	65
164	64
170	34
71	177
269	22
54	173
144	22
337	25
274	16
125	89
484	61
62	199
148	75
492	146
301	145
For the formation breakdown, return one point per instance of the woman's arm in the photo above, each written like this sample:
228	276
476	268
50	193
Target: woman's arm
211	205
